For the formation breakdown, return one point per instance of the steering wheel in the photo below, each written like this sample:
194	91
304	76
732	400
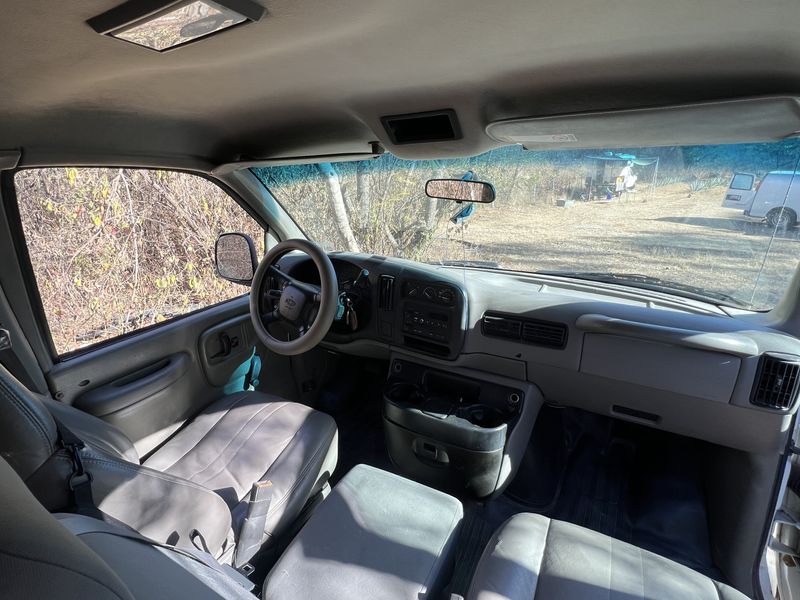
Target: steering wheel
307	309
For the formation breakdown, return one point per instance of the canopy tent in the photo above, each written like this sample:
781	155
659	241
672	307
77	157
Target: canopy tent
602	180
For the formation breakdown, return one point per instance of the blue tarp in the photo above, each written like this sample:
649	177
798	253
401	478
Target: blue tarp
640	161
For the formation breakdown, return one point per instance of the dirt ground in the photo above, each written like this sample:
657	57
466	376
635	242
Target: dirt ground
672	234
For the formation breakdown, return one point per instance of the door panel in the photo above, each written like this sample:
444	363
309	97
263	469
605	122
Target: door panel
115	260
150	383
784	538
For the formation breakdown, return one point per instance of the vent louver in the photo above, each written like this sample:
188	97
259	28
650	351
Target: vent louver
529	331
543	333
504	327
386	292
777	381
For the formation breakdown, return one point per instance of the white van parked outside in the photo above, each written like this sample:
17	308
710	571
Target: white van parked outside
765	200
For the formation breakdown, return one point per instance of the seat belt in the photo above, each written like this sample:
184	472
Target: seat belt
251	534
80	480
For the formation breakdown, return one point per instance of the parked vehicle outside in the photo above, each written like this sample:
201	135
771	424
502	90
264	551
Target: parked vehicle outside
776	198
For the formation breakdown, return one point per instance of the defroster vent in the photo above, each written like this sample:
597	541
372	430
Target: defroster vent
777	381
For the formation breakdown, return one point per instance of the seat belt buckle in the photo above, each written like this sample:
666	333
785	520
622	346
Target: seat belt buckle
79	475
251	534
76	480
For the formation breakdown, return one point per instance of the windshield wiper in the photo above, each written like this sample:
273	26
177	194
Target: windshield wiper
481	264
652	283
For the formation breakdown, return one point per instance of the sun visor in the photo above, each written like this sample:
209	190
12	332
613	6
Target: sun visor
376	150
9	159
723	122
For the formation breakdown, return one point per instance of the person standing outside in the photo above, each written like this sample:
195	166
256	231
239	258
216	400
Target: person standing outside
626	181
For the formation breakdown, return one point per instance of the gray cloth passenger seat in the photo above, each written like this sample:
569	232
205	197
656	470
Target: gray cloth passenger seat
533	557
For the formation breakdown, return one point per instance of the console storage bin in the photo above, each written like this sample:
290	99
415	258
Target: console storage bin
448	431
377	535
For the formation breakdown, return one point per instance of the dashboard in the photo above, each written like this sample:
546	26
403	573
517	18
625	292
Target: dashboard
652	358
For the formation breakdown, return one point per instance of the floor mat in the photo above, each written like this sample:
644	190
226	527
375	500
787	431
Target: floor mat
544	463
595	491
472	539
356	404
629	482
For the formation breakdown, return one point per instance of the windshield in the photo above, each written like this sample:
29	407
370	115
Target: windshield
714	222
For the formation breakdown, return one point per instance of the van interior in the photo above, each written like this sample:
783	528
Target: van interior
389	300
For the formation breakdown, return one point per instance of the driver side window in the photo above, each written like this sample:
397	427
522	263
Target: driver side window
117	250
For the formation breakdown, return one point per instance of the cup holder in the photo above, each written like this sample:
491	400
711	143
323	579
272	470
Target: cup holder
405	393
483	416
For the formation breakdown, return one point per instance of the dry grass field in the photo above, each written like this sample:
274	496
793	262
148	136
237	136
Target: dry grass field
674	235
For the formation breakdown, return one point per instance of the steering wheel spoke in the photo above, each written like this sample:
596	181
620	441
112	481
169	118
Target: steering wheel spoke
271	317
308	289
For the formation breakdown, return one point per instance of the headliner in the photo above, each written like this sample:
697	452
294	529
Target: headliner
315	76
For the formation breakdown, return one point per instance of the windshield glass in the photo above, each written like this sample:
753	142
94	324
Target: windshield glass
712	222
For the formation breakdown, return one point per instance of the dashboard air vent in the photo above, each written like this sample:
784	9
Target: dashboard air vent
545	333
777	381
529	331
386	292
497	326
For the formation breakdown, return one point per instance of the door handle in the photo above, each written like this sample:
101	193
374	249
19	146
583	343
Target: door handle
227	345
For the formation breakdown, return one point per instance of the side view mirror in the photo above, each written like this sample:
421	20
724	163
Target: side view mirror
460	190
235	257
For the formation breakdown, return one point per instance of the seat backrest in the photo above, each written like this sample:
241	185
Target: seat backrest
28	433
41	559
93	431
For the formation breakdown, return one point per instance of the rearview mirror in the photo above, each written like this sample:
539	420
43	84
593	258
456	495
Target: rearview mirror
460	190
235	257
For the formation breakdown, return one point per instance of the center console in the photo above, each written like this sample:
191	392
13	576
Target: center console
457	433
432	315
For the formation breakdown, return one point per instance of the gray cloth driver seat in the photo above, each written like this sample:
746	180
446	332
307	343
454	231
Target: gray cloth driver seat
199	480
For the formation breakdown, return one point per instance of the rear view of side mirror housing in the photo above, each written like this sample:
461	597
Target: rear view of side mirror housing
235	258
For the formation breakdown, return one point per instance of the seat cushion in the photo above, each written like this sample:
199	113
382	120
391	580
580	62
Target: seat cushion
248	437
376	536
531	556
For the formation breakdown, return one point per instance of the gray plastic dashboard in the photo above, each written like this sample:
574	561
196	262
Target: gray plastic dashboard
659	360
